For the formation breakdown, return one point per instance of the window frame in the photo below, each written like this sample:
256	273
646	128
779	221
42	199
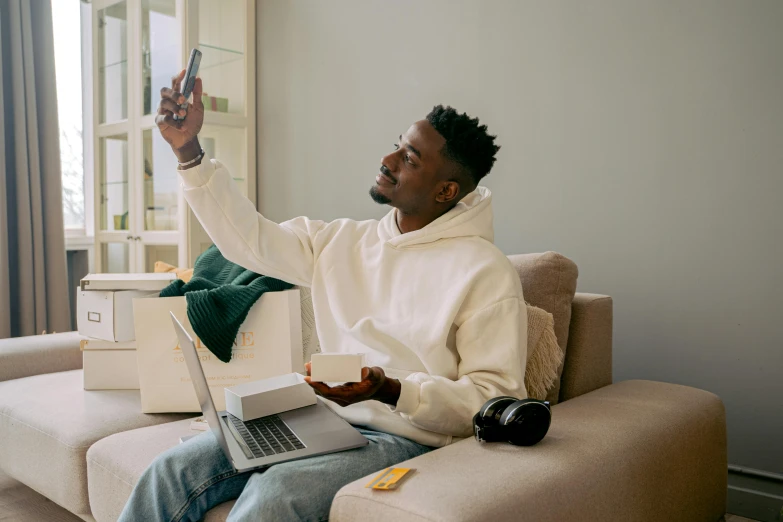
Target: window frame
80	238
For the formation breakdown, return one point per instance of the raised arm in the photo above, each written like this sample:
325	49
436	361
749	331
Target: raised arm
244	236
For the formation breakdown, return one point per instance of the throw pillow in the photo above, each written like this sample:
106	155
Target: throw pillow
549	282
182	273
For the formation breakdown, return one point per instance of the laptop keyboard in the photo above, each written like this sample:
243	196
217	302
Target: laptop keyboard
267	436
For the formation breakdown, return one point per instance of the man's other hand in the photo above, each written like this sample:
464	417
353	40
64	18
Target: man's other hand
373	386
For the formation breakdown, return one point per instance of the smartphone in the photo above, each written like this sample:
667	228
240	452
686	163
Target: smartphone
190	79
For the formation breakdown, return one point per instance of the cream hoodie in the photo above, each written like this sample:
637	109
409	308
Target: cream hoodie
439	308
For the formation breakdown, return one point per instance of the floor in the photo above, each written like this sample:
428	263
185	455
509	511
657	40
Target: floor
18	503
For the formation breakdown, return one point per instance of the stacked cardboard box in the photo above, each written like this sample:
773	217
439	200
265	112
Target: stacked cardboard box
105	315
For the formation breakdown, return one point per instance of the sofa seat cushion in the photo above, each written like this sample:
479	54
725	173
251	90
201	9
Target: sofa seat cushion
115	464
549	282
47	423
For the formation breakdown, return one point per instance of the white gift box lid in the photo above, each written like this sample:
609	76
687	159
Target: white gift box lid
150	282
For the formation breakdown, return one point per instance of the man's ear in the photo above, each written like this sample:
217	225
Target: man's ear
449	191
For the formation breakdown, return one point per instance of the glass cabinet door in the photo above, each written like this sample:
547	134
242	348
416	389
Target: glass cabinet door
160	183
227	144
160	36
154	253
221	39
115	258
137	45
113	183
113	63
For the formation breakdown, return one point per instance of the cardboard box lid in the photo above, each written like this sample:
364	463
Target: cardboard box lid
98	344
152	282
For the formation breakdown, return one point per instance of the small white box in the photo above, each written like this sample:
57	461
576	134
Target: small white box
252	400
109	366
336	367
108	314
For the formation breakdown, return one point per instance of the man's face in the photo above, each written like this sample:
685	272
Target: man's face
410	176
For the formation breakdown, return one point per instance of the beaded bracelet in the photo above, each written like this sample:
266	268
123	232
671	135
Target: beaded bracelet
194	160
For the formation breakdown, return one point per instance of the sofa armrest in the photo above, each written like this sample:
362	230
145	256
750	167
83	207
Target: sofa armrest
38	354
588	362
631	451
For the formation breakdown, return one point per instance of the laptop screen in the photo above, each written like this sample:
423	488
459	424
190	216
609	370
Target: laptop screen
199	382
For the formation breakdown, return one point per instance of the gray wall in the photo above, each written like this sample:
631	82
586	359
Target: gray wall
642	139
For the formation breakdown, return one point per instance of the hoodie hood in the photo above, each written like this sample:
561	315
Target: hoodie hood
472	216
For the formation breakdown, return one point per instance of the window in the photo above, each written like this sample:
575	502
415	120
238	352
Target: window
66	17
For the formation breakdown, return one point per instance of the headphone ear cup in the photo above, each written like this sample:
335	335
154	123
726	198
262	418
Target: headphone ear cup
493	409
526	422
486	423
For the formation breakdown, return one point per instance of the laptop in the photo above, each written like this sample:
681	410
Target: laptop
258	443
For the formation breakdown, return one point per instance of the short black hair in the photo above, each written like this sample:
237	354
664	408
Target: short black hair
467	142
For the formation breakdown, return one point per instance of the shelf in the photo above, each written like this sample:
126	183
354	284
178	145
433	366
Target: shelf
147	121
214	56
148	180
104	67
227	119
216	48
116	130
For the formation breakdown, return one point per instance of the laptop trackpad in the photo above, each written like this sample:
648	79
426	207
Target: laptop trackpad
313	419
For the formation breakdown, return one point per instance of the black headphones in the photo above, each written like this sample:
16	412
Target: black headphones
507	419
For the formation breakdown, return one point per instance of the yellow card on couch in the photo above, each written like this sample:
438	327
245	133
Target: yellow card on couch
389	478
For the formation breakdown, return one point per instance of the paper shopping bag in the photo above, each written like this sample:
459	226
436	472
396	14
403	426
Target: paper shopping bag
269	343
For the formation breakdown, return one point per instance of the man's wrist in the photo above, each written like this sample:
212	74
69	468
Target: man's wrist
188	152
389	392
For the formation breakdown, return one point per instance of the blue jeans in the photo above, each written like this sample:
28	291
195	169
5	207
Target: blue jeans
183	483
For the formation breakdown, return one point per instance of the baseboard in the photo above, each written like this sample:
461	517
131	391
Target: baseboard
755	494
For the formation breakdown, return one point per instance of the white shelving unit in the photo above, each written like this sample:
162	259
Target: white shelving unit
138	45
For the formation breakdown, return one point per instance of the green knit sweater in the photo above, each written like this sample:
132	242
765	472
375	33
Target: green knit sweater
219	296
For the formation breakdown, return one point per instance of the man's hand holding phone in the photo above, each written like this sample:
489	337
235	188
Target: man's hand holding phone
181	134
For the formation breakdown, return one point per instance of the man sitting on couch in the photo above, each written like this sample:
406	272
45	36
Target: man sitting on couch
435	307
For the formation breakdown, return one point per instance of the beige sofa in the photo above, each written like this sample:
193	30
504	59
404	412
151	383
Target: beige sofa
628	451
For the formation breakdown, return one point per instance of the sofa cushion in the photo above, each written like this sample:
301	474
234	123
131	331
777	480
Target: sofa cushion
39	354
629	452
549	282
114	465
47	423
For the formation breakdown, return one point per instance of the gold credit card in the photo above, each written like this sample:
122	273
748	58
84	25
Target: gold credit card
389	478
